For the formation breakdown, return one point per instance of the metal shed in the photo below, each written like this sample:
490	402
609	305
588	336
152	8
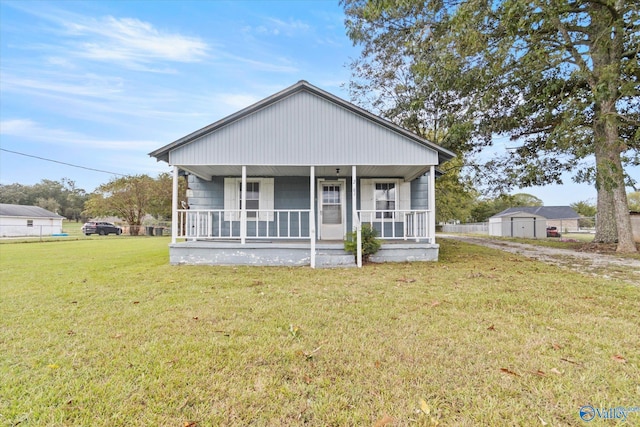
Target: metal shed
518	224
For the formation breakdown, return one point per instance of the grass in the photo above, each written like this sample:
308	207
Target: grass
103	332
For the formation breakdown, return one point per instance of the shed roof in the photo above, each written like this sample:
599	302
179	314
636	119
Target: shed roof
301	125
549	212
26	211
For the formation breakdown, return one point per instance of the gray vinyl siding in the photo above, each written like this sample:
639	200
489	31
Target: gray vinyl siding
303	129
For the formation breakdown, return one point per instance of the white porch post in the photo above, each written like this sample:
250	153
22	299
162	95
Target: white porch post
174	206
312	214
355	221
432	203
243	207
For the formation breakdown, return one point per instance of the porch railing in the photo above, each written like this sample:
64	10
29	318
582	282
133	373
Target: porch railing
226	224
294	224
401	224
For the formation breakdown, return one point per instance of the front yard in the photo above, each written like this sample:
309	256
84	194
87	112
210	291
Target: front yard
104	332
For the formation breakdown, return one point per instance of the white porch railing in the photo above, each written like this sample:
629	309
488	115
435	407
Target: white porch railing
226	224
294	224
401	225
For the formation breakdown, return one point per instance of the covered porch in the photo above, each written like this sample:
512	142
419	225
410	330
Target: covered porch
313	235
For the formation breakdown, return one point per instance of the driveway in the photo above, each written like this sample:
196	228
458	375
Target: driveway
600	265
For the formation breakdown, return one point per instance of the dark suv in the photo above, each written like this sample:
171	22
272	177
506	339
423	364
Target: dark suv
101	228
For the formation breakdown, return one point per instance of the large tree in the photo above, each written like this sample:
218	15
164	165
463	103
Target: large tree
561	77
128	197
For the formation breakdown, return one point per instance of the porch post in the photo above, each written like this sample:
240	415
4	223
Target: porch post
174	206
312	214
243	207
432	203
355	222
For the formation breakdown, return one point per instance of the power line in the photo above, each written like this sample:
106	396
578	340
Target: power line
62	163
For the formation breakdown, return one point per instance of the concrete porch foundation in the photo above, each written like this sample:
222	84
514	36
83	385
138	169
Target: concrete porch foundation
291	253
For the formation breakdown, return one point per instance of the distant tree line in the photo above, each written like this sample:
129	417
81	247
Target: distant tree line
129	198
62	197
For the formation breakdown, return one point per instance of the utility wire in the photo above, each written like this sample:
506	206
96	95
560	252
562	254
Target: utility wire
62	163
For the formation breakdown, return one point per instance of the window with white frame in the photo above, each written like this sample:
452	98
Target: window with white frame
253	198
385	199
259	198
29	223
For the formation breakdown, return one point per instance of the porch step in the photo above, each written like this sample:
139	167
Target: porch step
334	260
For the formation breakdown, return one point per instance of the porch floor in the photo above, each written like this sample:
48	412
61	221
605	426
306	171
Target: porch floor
292	252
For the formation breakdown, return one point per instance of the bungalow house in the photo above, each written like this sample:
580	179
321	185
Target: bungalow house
283	181
22	220
532	221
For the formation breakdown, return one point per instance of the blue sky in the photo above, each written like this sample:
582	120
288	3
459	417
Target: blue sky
102	83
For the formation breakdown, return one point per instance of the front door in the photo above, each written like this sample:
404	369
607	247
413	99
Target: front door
332	209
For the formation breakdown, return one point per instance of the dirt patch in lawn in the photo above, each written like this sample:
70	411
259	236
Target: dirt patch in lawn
599	260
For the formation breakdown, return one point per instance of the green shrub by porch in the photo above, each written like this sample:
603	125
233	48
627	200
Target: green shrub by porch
370	242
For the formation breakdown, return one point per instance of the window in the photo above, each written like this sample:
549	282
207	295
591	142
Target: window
259	197
253	198
385	198
29	223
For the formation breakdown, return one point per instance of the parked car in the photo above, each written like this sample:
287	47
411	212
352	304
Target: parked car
553	232
101	228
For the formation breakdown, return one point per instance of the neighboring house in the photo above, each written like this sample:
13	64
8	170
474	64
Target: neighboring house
20	220
532	221
283	181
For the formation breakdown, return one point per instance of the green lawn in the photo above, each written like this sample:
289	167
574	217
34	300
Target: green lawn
103	332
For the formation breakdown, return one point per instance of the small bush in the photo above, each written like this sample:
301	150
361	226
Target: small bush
370	242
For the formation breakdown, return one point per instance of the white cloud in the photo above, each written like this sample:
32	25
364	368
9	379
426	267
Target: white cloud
277	27
133	42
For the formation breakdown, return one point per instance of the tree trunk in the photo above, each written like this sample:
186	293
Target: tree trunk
606	230
606	50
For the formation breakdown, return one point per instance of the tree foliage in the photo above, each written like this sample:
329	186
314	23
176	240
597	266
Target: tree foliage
61	197
128	198
131	198
560	78
483	209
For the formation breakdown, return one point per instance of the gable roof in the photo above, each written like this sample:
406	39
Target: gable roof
302	86
26	211
549	212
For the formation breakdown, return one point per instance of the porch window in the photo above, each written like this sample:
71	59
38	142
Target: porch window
260	198
253	198
385	199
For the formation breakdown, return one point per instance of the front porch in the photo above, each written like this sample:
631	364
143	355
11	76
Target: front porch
292	253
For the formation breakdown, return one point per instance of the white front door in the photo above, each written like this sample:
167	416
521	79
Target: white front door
332	207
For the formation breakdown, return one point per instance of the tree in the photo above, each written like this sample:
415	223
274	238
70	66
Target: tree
560	77
584	208
49	204
61	196
587	211
524	199
128	198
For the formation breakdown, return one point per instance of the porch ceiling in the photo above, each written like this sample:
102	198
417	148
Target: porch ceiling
206	172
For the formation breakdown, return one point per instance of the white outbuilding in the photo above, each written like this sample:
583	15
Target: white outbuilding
20	220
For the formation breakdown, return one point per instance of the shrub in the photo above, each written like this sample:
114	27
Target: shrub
370	242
